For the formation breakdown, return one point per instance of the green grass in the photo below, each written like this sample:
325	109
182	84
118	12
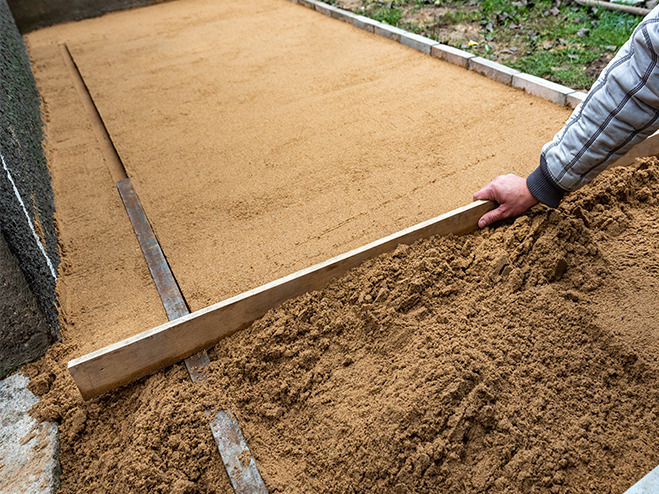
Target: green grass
565	66
461	16
544	45
387	15
566	62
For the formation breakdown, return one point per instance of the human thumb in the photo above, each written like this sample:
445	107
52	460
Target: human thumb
484	194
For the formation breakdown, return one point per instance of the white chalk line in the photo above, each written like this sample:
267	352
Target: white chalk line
29	220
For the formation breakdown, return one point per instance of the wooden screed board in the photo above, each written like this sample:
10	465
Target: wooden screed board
147	352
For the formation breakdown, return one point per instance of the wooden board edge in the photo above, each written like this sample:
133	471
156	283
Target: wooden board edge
644	149
135	357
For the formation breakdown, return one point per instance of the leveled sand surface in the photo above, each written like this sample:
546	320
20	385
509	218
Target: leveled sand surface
263	137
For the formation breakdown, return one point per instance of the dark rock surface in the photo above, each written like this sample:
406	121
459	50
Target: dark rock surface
26	201
24	333
33	14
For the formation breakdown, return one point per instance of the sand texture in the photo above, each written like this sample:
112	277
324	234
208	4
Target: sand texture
263	137
104	287
503	361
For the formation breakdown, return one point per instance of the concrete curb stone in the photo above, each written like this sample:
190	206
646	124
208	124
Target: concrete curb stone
492	70
328	10
573	99
361	22
542	88
389	32
452	55
417	42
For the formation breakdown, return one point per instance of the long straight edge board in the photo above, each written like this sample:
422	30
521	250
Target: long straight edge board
128	360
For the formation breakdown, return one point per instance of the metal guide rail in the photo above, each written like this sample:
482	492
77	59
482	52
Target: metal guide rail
236	456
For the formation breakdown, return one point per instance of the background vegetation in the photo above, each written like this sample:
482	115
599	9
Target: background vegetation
558	40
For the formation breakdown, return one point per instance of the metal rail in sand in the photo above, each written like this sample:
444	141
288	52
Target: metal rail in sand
236	456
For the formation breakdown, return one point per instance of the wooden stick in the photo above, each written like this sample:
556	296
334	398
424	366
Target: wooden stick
648	147
152	350
614	6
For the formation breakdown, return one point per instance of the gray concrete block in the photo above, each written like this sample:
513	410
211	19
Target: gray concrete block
492	70
324	8
342	15
647	485
417	42
328	10
540	87
573	99
361	22
389	32
29	450
452	55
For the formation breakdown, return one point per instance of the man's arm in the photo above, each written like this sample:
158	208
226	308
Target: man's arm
621	109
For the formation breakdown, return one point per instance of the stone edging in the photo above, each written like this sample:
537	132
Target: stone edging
561	95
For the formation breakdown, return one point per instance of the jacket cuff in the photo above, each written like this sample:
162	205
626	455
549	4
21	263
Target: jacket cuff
543	187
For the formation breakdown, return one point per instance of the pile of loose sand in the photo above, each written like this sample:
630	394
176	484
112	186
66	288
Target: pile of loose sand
521	358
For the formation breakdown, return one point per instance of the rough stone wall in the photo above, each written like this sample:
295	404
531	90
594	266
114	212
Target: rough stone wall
26	196
24	333
33	14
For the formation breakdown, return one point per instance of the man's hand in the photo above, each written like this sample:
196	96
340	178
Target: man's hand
512	194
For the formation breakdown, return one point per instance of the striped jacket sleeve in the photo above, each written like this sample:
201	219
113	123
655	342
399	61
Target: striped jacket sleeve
621	109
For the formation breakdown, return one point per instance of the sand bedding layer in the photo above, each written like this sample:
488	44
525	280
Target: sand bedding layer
263	137
501	361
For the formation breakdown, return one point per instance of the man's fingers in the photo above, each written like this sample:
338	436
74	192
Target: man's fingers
491	217
485	194
512	195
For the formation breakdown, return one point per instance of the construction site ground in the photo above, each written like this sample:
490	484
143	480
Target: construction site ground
263	137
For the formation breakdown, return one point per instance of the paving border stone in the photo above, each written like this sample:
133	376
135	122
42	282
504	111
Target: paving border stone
574	99
365	23
492	70
390	32
328	10
542	88
417	42
451	55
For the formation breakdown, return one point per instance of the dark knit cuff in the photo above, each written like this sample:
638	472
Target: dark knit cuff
543	187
